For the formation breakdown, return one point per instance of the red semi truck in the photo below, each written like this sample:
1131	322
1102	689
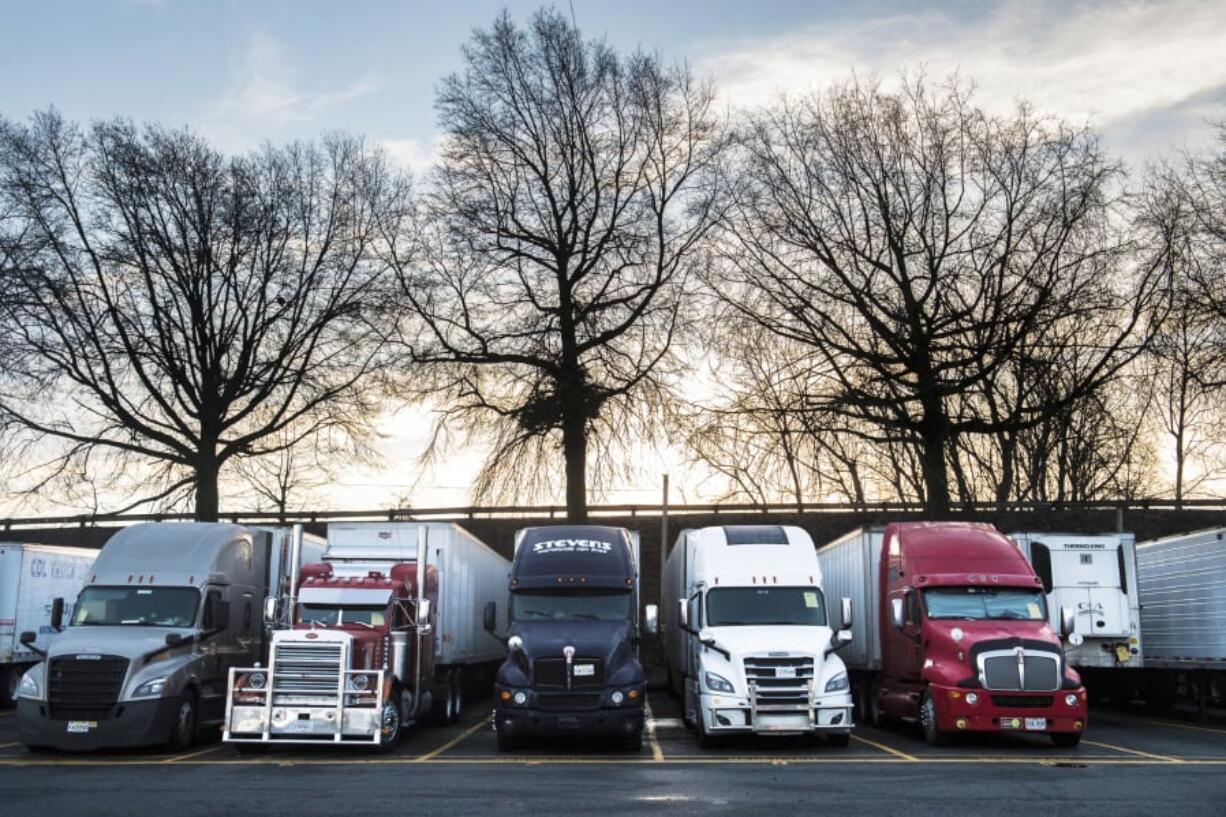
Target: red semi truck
952	632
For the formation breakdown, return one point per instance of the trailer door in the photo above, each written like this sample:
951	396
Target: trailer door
1089	576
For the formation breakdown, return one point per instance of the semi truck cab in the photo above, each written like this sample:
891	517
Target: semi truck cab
572	666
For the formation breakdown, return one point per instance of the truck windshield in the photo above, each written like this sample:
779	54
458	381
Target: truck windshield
137	606
985	603
588	605
750	606
329	615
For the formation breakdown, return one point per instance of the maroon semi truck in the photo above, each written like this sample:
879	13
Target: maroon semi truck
953	632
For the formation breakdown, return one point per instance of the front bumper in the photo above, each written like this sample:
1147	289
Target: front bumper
999	711
132	723
302	724
726	714
623	721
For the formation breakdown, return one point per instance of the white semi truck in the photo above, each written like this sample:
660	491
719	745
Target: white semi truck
1095	576
32	577
750	637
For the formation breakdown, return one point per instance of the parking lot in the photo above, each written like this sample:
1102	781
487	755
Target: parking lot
1129	762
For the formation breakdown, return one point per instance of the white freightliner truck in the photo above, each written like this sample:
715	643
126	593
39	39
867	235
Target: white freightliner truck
382	633
750	637
1095	576
32	577
167	609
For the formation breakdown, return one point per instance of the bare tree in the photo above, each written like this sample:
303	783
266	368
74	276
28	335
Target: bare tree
562	222
914	243
177	310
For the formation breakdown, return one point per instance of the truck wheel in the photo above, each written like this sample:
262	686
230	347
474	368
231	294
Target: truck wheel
839	741
457	687
705	739
10	677
392	722
928	720
183	729
444	703
1065	740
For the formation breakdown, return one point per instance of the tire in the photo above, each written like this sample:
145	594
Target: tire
10	677
392	718
183	728
705	739
443	707
1066	740
457	687
685	708
928	721
838	741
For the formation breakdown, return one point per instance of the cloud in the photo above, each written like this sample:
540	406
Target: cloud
1105	62
264	96
414	155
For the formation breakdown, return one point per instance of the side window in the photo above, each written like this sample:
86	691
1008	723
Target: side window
913	609
211	600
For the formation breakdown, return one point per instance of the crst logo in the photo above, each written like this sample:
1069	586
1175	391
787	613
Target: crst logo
572	546
385	534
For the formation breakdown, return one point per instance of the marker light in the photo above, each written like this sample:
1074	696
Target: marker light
506	695
960	723
632	694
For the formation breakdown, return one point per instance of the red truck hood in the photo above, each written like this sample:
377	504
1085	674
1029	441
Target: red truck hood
949	660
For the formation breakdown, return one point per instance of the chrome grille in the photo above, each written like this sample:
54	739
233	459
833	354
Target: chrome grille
779	681
306	670
85	689
1036	671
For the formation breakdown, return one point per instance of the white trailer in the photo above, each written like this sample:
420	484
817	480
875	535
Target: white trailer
31	577
1096	577
1182	586
751	635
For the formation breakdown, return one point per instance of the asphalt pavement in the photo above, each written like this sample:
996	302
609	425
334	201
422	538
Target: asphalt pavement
1128	763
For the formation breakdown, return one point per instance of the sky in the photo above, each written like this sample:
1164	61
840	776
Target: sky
1148	75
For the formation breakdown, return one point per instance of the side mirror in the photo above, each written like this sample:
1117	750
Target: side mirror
683	613
490	619
845	611
651	619
896	617
705	637
270	610
173	639
1068	621
28	637
57	614
843	637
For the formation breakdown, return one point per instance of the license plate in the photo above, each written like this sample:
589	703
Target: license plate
785	672
81	727
1034	724
585	669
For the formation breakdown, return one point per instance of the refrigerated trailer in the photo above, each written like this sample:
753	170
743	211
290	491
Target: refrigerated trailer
950	631
387	630
1182	586
1096	577
32	577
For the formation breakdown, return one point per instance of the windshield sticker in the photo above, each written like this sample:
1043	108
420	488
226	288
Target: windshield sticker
573	546
810	599
1034	610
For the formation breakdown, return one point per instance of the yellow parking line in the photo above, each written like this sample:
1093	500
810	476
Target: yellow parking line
656	754
1137	752
449	744
1189	726
192	754
884	748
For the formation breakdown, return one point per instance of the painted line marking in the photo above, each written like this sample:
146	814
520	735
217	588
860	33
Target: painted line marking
189	755
1189	726
884	748
1137	752
656	754
451	743
669	723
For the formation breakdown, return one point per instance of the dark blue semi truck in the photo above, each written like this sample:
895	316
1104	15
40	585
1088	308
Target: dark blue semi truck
572	665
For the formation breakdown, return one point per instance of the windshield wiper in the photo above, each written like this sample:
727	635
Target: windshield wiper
363	623
587	616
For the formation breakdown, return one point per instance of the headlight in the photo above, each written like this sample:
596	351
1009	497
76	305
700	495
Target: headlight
617	697
29	688
1070	699
150	689
718	683
838	683
520	698
359	683
972	698
257	680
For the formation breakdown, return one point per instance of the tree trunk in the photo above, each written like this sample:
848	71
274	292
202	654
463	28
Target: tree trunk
207	501
574	449
933	440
